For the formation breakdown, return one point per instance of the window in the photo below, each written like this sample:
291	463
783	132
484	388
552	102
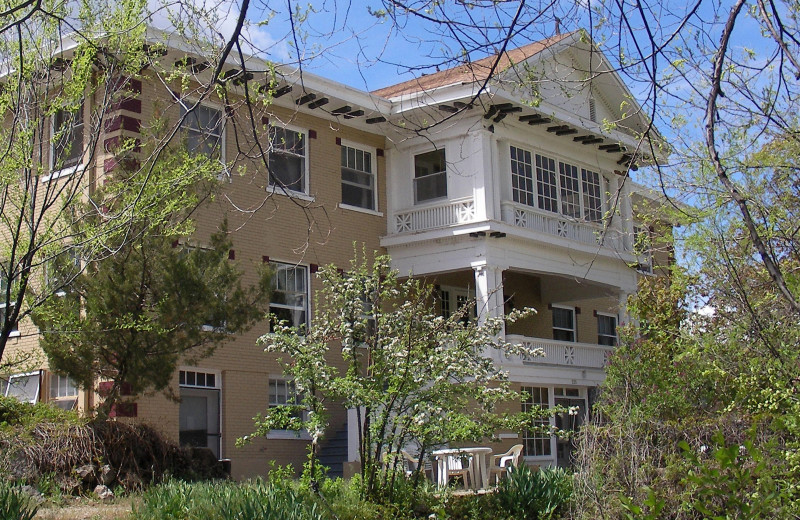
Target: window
67	142
289	301
606	330
203	130
522	176
287	159
568	190
454	299
24	387
283	392
546	183
536	443
197	379
592	209
358	180
62	386
563	324
430	176
62	270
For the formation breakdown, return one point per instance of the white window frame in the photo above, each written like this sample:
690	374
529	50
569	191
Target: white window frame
185	127
553	200
284	434
277	265
11	378
574	329
545	438
373	174
67	170
615	337
276	188
457	297
415	177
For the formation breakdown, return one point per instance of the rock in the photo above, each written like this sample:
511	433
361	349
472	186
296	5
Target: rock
86	472
107	475
103	492
32	492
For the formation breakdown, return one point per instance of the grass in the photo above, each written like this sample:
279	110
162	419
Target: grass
88	509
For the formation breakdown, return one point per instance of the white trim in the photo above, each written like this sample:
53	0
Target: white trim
69	170
279	190
348	207
65	172
216	373
414	155
289	435
307	269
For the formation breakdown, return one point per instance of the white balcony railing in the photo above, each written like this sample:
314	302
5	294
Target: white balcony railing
563	353
444	214
519	215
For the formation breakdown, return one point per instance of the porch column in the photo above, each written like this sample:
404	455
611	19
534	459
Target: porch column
626	213
488	291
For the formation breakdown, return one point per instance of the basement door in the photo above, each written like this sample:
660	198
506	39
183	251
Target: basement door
199	416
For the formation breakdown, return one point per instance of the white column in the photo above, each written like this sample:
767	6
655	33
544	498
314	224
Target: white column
626	212
488	291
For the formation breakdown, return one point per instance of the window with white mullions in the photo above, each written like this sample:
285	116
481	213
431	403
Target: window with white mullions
522	176
62	386
203	130
592	202
358	180
287	158
23	387
564	324
570	190
546	183
67	142
289	299
536	443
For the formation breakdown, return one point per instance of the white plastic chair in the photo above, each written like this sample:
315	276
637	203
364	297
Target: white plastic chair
502	461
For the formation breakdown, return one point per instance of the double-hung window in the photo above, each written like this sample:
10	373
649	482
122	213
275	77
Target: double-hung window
67	141
642	248
536	443
203	129
288	159
358	178
430	176
606	330
560	187
564	324
289	300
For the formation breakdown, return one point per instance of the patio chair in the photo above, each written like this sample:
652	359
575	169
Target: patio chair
502	461
456	467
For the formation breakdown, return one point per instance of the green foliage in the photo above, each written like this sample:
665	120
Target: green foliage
15	413
15	504
255	500
528	494
406	369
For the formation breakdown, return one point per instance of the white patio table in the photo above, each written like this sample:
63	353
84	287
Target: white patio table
447	459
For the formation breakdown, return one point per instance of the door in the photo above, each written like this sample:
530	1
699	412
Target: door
568	421
199	423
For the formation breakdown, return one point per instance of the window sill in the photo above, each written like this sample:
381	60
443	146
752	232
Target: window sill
289	435
290	193
360	210
66	172
14	334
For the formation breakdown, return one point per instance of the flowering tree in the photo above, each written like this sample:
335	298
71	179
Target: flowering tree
411	375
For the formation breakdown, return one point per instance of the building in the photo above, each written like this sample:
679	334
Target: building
516	195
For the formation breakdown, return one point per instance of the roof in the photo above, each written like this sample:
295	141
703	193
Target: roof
475	71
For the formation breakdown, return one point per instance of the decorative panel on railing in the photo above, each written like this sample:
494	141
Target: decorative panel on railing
564	353
556	225
435	216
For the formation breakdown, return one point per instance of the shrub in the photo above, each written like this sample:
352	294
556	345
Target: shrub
534	495
257	500
15	504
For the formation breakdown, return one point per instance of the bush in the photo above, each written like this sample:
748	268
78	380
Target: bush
15	504
534	495
257	500
16	414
